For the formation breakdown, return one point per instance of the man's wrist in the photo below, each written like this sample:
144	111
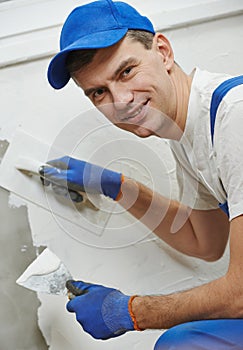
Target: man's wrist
137	312
129	192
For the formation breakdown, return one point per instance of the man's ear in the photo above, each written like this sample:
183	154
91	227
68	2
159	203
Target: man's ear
163	46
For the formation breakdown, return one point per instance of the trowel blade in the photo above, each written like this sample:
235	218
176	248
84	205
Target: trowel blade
46	274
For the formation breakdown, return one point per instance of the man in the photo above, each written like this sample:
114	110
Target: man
129	73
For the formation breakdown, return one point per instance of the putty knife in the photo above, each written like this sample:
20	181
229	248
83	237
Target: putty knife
46	274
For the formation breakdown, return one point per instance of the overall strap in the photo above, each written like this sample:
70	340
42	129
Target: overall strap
217	97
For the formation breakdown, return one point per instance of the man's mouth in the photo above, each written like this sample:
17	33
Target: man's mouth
136	114
133	115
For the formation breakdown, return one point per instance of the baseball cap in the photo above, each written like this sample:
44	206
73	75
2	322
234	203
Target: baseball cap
94	25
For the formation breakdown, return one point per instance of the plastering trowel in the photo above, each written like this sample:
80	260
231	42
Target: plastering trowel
25	148
48	274
31	167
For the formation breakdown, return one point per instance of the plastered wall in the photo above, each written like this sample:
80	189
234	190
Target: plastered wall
124	255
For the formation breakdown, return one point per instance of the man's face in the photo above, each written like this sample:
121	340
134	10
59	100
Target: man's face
132	86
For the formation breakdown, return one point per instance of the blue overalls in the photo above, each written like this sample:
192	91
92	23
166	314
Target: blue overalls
220	334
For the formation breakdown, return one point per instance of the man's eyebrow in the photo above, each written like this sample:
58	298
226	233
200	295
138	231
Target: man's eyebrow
124	64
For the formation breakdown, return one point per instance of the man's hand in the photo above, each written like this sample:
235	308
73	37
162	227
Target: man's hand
77	175
102	312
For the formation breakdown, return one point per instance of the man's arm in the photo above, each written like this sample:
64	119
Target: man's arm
198	233
221	298
105	312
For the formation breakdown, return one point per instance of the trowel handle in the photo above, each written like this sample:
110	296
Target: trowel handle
73	291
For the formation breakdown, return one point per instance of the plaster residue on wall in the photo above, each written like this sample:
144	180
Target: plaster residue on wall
3	148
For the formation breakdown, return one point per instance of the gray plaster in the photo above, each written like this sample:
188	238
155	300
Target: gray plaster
18	306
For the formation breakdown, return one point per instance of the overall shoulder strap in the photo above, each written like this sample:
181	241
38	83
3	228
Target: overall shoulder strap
218	95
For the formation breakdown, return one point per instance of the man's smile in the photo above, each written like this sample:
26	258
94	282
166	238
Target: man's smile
136	114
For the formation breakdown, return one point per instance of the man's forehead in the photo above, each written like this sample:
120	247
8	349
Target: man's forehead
110	60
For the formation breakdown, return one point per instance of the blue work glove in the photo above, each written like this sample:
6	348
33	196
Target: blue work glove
102	312
78	175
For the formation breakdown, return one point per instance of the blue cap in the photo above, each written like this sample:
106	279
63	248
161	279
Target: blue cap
93	26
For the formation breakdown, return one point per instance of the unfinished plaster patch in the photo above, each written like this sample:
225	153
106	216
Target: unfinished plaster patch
3	148
19	329
15	201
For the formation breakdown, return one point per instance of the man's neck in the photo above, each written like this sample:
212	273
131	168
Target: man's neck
182	83
174	126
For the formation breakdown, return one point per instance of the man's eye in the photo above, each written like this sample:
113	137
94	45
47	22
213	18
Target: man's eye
98	92
126	71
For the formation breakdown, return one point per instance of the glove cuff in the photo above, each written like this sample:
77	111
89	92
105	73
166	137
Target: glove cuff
118	197
120	321
111	183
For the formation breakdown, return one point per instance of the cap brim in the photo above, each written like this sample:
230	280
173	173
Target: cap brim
58	76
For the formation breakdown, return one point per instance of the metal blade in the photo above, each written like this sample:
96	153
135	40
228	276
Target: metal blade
46	274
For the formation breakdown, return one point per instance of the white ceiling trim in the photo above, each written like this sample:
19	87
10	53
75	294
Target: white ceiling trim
29	37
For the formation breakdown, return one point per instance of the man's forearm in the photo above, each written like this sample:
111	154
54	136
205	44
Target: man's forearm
151	208
191	232
214	300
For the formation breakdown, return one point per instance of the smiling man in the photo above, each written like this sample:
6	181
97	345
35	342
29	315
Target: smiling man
128	72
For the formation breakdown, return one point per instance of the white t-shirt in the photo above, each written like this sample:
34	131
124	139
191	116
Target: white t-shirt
211	174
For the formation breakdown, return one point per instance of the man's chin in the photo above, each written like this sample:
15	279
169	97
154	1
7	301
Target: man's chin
135	129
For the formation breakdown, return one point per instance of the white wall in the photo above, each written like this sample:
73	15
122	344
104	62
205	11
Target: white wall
203	33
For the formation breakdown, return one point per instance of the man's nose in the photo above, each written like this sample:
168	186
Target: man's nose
122	97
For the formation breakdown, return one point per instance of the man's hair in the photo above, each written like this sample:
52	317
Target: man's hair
77	59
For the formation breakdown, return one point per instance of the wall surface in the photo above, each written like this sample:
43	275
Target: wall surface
19	321
124	254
